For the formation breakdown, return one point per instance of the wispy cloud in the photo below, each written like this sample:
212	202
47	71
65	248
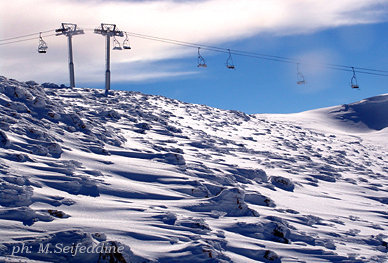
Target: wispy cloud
212	21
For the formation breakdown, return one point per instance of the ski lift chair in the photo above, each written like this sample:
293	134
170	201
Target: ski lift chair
42	46
299	76
229	62
126	42
353	80
201	61
116	44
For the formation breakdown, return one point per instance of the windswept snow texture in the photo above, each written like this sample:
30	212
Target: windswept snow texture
174	182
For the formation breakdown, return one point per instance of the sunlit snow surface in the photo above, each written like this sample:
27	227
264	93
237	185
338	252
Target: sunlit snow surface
176	182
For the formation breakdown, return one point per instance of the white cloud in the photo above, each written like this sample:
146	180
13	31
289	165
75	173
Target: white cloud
210	22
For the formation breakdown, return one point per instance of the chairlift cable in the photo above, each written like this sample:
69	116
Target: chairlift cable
27	39
362	70
12	38
261	56
205	47
369	73
18	41
254	54
376	70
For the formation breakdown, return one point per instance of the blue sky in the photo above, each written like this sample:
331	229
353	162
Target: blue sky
261	86
351	32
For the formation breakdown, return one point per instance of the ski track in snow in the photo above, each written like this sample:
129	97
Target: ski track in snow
178	182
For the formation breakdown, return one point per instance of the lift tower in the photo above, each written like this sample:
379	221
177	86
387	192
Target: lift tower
108	30
69	30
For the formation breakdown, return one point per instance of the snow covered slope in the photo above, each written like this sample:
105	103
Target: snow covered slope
372	113
362	116
166	181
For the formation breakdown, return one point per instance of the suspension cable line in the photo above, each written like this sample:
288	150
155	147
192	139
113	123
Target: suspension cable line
33	34
27	39
362	70
375	72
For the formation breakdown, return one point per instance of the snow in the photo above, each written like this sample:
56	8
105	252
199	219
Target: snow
167	181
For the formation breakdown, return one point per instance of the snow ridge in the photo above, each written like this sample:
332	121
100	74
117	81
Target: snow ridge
169	181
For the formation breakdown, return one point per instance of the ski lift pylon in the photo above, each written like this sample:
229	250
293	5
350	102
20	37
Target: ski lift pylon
229	61
201	60
42	46
116	44
126	42
299	76
353	80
